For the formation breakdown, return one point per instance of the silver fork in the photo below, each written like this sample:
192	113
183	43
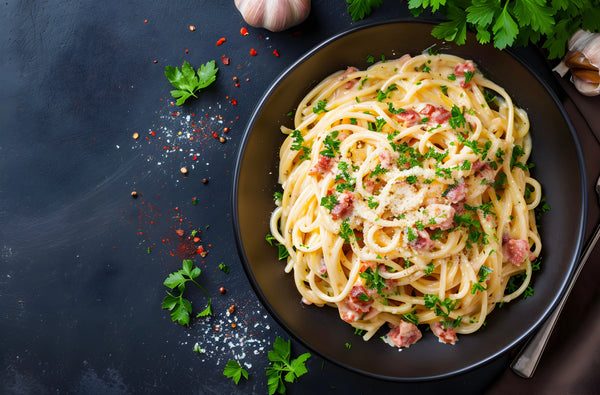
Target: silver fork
527	360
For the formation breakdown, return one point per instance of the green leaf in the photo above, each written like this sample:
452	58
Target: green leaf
206	312
170	301
298	364
174	280
534	13
181	313
359	9
505	29
234	371
187	266
481	12
281	350
207	74
455	28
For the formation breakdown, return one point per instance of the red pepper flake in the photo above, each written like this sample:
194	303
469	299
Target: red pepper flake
225	129
220	41
179	232
155	61
225	60
175	114
145	20
187	51
215	135
275	53
192	28
244	31
253	52
153	133
237	85
195	157
234	102
196	239
222	290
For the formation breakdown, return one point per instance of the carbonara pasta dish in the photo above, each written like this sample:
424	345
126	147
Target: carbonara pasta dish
407	199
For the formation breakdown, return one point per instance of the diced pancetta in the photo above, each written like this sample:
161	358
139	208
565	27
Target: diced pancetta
409	117
447	335
443	214
457	193
350	84
485	170
323	165
344	206
387	159
436	114
423	241
515	250
460	69
404	334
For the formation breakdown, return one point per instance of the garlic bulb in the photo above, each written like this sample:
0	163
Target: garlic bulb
273	15
583	60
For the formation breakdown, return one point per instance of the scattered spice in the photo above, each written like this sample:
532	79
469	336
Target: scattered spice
225	60
196	239
253	52
244	31
145	20
136	135
192	28
222	139
155	61
234	102
222	290
220	41
226	130
187	51
184	170
275	53
179	232
134	194
233	324
204	181
231	309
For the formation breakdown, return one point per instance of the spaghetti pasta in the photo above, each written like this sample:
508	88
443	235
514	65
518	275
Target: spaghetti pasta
407	197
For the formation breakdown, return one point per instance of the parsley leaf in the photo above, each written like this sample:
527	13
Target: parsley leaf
281	365
180	307
187	81
358	9
234	371
282	251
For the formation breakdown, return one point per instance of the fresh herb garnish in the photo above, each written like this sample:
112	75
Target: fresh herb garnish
188	81
180	307
320	107
235	371
283	370
331	144
282	251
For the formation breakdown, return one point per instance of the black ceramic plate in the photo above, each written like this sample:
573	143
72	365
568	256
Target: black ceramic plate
559	168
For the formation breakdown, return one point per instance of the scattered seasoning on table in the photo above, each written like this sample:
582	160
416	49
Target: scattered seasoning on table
180	232
136	135
234	102
187	51
184	170
155	61
222	139
204	181
225	60
134	194
192	28
253	52
145	20
220	41
231	309
225	129
275	53
244	31
222	290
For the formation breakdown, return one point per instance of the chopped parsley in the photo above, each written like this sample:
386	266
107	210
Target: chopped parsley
320	107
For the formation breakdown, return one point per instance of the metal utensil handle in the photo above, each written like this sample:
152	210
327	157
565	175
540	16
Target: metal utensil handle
527	360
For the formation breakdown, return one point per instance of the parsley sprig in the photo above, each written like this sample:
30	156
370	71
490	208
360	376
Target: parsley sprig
180	307
282	369
504	23
188	82
282	250
235	371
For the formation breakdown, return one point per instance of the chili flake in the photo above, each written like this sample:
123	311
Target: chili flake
225	60
244	31
253	52
192	28
234	102
275	53
221	41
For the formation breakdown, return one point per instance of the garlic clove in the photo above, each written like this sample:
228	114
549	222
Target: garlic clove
273	15
583	60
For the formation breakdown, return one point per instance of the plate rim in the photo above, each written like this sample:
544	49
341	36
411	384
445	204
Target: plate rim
244	259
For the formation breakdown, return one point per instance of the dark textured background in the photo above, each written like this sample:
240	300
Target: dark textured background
80	295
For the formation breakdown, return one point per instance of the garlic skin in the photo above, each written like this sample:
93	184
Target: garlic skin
273	15
583	60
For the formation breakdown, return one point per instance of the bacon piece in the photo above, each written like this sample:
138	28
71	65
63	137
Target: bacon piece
447	335
355	303
369	185
436	114
344	206
323	267
460	69
423	241
387	159
405	334
485	170
409	117
323	165
458	193
350	84
515	250
443	215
